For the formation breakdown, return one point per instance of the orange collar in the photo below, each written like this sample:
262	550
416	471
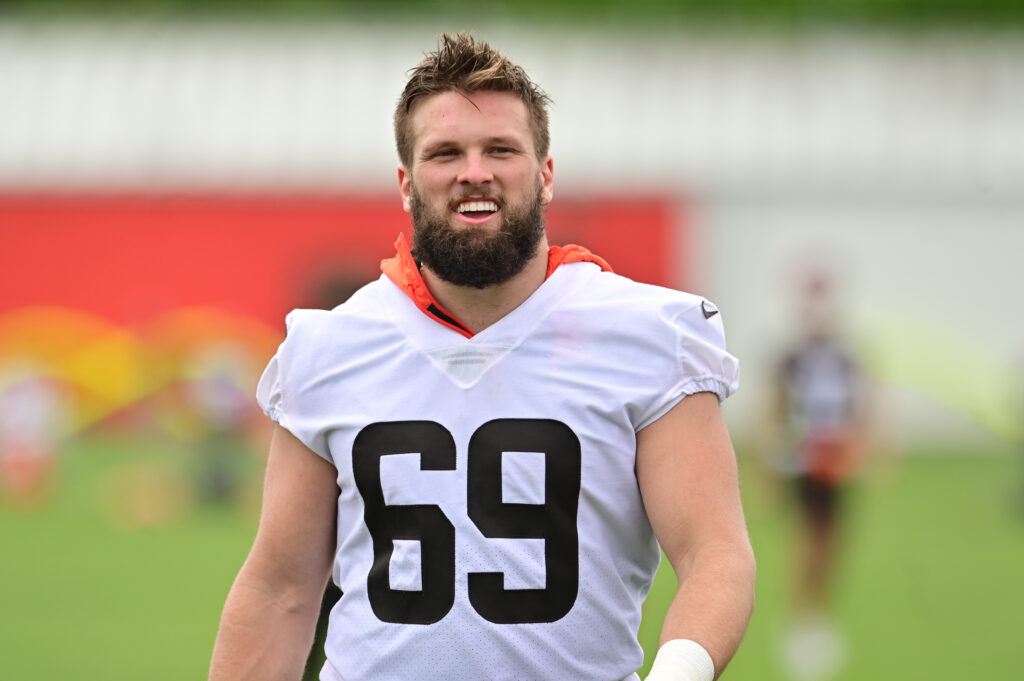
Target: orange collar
404	271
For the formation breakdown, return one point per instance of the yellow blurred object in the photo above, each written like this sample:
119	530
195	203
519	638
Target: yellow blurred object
109	367
950	372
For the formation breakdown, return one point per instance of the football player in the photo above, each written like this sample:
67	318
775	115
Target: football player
821	406
486	447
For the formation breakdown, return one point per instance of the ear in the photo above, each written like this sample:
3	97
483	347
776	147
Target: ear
547	177
405	187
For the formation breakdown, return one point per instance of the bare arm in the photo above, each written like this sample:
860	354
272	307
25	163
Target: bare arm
267	626
686	469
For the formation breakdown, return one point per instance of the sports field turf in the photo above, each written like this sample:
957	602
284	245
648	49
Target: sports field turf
932	586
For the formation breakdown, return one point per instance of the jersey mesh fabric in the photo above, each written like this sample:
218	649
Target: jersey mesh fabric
589	352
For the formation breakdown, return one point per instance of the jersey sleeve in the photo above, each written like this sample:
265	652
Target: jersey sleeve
702	362
276	392
269	392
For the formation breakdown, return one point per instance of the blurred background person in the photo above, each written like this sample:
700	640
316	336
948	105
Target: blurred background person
820	413
216	389
34	413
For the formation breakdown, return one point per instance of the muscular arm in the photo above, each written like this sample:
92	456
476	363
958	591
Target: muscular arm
687	475
267	626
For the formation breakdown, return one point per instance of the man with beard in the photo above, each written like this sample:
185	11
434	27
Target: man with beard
485	447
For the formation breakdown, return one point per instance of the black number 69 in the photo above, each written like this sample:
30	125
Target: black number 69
554	520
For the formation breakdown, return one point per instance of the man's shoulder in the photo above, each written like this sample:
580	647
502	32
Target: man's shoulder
618	290
622	311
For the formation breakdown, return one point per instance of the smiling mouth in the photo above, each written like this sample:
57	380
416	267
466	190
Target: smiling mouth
477	209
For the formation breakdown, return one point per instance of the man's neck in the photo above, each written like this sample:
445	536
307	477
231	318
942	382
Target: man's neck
479	308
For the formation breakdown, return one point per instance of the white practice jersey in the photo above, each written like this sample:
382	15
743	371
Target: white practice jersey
490	527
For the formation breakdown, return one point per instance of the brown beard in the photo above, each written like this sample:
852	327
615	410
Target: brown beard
475	256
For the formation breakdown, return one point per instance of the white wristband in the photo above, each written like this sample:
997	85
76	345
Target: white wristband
682	660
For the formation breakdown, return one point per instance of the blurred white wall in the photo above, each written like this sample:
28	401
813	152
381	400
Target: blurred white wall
232	104
899	159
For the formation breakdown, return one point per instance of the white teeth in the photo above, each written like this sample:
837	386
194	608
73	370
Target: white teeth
478	207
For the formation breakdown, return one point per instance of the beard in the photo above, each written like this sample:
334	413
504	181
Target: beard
477	256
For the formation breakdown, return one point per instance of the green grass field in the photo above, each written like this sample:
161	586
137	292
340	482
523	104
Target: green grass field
932	586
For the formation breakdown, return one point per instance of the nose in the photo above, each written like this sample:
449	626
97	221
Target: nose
475	170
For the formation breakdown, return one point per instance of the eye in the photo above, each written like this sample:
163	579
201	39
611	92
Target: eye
442	154
501	150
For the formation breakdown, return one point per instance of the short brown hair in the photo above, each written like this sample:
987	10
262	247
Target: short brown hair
463	64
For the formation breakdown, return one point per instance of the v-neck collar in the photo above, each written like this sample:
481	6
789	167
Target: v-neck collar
403	270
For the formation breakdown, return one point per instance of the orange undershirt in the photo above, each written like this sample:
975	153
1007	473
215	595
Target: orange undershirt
402	270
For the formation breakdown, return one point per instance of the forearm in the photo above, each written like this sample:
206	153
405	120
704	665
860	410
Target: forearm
714	601
689	480
263	634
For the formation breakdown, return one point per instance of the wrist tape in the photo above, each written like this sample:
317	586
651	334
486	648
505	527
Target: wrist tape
682	660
